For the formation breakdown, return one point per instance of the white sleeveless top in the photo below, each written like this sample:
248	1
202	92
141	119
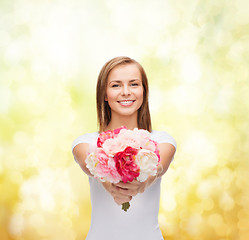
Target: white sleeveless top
109	221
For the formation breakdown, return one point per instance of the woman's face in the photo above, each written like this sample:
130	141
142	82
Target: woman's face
124	92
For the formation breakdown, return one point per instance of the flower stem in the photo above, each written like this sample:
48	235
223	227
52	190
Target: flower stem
125	206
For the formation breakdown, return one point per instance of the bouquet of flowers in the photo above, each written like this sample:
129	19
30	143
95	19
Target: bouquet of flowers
124	155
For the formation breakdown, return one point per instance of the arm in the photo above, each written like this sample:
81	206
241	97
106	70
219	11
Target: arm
167	152
80	153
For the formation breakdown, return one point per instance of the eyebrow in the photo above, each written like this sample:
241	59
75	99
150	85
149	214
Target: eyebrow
133	80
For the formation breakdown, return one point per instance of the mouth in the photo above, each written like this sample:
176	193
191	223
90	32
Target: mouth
126	102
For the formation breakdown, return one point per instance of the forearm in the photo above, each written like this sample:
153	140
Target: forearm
80	154
82	165
167	152
162	168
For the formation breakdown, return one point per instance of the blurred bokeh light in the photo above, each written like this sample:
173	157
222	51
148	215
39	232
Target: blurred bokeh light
196	55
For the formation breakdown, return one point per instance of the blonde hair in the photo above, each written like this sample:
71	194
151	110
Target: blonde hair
103	108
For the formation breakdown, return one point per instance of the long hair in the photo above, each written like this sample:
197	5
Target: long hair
103	108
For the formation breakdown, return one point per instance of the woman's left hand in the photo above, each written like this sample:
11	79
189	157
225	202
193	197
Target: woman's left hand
134	187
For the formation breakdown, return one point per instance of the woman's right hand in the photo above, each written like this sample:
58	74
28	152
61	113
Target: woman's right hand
118	197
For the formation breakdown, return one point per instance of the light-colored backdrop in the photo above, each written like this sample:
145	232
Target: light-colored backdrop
196	55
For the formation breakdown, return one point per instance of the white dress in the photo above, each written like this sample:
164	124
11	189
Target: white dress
109	221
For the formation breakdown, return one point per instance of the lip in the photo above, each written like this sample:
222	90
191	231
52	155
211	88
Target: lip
126	103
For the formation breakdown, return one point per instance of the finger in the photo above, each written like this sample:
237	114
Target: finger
128	192
122	185
128	186
120	192
121	200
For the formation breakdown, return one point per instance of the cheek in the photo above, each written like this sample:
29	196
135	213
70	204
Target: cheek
109	95
140	94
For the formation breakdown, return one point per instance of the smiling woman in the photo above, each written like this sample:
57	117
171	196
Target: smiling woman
196	58
122	100
124	94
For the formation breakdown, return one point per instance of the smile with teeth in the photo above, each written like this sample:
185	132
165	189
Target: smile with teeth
126	102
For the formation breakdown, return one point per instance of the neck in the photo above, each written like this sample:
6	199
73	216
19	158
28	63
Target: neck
128	121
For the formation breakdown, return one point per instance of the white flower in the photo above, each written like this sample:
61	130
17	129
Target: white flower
147	162
91	162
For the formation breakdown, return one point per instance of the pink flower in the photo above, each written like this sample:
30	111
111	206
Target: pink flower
117	131
104	168
149	145
107	135
104	136
125	164
143	134
112	146
156	151
129	138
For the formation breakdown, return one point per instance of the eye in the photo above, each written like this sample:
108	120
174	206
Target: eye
134	84
115	85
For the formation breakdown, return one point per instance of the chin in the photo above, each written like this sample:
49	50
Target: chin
127	113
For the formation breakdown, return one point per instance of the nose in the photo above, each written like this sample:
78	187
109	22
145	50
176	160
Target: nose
126	90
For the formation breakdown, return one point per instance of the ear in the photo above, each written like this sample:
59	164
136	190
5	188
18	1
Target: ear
106	98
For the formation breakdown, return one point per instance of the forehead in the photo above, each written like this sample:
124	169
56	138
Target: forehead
125	72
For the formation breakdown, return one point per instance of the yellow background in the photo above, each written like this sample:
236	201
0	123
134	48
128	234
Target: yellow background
196	55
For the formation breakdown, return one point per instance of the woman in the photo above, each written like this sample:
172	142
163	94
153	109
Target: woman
122	100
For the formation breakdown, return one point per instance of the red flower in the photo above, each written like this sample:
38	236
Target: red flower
125	164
